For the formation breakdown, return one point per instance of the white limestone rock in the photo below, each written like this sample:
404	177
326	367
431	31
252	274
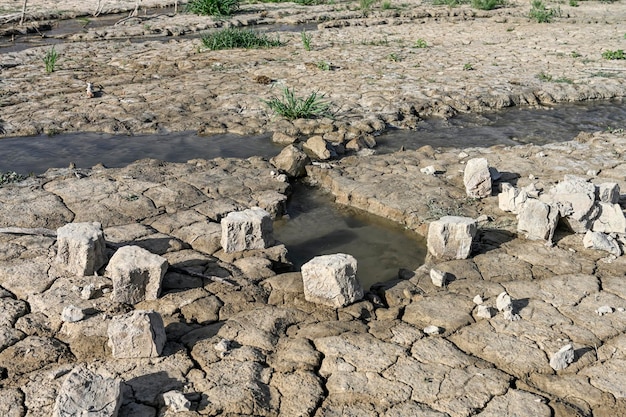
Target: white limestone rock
331	280
85	393
537	220
72	314
602	310
478	300
577	200
429	170
485	312
477	178
601	241
504	302
138	334
432	330
608	192
292	161
136	274
248	229
176	401
81	248
451	237
563	358
611	219
439	278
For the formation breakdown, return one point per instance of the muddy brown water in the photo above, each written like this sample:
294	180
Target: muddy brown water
315	225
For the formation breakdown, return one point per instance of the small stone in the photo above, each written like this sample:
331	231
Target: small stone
563	358
592	173
478	300
477	178
503	302
485	312
223	346
176	401
84	393
81	248
432	330
604	310
438	277
72	314
331	280
463	154
429	170
88	292
602	241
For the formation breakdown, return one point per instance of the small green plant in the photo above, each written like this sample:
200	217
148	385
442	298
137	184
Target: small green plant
50	60
486	4
575	54
468	67
324	65
230	38
393	57
213	7
420	43
386	5
10	177
291	107
619	54
542	76
306	40
366	5
573	3
564	80
450	3
542	14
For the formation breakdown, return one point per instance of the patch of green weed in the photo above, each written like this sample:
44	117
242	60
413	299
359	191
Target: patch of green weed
213	7
230	38
291	107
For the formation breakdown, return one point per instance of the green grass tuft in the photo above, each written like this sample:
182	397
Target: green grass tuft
291	107
213	7
230	38
486	4
542	14
50	60
619	54
306	40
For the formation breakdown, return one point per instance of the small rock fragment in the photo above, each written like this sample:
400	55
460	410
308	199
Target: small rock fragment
88	292
439	278
601	241
176	401
432	330
604	310
72	314
478	300
223	346
563	358
429	170
485	312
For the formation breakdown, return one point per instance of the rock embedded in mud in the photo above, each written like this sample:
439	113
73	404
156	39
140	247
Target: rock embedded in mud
331	280
292	161
81	247
139	334
85	393
601	241
537	220
246	230
136	274
451	237
477	178
563	358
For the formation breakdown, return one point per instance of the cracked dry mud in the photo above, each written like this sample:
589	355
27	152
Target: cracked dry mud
289	357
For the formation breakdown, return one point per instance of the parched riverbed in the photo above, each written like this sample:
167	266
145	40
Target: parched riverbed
258	347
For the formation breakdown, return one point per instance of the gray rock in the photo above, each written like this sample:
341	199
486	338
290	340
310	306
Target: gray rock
576	198
477	178
247	229
81	247
331	280
432	330
136	274
292	161
563	358
451	237
484	312
537	220
139	334
601	241
611	219
439	278
72	314
511	198
85	393
318	148
608	192
176	401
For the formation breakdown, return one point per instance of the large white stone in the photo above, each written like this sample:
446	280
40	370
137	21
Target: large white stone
85	393
576	198
451	237
601	241
610	220
136	274
331	280
511	198
537	220
247	229
608	192
563	358
477	178
81	247
138	334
